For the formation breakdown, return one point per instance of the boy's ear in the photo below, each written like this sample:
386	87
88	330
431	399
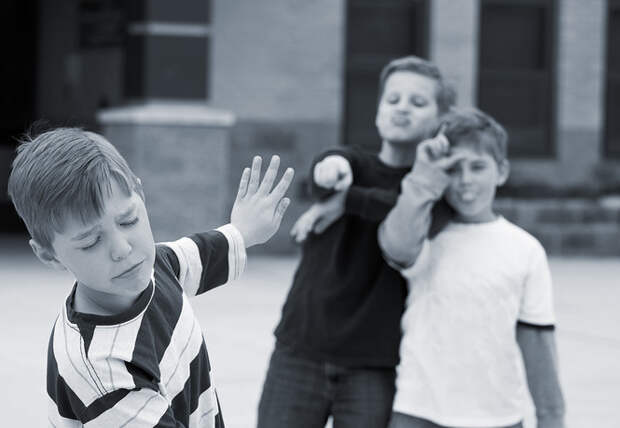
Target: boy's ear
46	255
504	172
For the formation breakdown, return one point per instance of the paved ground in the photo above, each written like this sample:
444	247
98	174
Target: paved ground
239	319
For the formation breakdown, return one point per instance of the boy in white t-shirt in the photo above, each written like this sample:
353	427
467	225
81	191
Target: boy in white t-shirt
478	291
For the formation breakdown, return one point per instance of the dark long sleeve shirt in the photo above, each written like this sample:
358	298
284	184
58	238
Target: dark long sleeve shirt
345	303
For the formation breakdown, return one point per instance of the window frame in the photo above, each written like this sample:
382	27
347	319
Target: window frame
549	151
353	65
610	150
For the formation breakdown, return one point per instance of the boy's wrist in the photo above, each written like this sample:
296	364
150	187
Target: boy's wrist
233	232
237	256
429	176
550	419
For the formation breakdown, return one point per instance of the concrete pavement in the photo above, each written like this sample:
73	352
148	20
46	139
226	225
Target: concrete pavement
238	321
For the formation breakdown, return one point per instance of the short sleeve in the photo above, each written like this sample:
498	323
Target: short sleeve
205	260
537	299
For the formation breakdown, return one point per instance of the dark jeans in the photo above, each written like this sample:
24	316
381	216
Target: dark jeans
302	393
399	420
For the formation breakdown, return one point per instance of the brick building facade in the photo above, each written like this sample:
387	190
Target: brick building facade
208	83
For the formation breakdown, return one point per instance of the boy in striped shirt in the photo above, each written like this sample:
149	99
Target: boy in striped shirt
126	349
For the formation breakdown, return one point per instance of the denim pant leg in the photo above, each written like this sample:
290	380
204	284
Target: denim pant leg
294	393
400	420
363	398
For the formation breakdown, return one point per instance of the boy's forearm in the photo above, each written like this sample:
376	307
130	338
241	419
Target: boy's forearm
540	358
406	226
370	203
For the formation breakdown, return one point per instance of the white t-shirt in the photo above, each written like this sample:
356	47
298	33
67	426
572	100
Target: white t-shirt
460	361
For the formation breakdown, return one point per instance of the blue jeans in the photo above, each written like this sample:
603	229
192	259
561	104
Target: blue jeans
400	420
303	393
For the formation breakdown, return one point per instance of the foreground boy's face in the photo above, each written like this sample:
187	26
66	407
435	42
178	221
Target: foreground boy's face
408	108
473	183
113	255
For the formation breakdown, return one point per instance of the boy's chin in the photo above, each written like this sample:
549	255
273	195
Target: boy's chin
403	140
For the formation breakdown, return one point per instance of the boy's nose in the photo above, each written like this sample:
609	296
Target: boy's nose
403	104
465	176
120	248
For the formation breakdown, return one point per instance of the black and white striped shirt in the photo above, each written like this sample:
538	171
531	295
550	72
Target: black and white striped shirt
148	366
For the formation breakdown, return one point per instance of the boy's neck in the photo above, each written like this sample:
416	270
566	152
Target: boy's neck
89	301
397	154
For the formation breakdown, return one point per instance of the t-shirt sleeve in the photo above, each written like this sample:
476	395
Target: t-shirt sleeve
205	260
537	299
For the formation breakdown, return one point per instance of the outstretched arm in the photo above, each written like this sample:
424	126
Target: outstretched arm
537	345
403	231
206	260
370	203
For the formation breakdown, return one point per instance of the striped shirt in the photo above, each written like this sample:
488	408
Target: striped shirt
148	366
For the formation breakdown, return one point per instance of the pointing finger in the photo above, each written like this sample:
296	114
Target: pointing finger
451	160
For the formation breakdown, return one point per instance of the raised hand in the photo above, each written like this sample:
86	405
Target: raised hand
258	210
436	152
333	172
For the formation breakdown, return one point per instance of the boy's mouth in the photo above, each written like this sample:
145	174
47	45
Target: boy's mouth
400	120
467	196
129	272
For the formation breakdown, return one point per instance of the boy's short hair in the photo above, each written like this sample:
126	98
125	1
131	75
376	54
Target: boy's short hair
474	127
62	173
445	94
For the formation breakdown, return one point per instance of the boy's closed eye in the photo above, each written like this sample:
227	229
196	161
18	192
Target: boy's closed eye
393	98
91	244
130	222
418	101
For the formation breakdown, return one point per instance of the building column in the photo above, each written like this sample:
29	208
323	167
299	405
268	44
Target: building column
178	145
454	45
580	74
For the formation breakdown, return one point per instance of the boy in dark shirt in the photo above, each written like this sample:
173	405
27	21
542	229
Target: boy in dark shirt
337	341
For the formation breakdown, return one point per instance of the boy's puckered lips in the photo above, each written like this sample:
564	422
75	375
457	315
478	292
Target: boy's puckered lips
400	120
129	272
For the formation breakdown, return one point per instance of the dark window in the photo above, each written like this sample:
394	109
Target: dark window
169	11
19	30
377	32
166	67
102	23
167	54
612	94
516	65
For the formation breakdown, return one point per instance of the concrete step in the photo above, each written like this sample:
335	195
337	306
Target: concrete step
568	226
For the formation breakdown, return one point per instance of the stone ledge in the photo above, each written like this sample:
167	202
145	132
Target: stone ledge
167	114
568	226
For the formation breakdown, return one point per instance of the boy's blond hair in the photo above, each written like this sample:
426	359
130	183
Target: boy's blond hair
63	173
478	129
445	93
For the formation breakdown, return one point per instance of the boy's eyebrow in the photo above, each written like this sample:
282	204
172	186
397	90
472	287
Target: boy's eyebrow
129	211
84	234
